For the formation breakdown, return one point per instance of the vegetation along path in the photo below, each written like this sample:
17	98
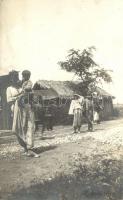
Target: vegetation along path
81	166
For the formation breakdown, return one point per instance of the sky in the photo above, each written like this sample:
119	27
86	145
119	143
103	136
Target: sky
36	34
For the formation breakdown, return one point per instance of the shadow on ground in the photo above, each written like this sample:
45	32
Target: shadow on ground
47	137
39	150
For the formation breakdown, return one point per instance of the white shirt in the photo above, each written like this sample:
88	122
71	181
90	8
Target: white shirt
76	104
11	93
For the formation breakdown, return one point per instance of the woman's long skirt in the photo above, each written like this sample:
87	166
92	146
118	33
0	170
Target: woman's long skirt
77	121
23	125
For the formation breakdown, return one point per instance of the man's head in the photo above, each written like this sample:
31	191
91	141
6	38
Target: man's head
26	75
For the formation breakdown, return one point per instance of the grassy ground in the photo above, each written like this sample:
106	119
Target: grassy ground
71	167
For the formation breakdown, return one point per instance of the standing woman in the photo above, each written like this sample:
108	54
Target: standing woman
14	90
76	108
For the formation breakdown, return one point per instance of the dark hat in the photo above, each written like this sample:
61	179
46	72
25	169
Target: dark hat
26	72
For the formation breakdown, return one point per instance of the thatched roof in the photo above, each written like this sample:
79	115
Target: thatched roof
102	92
47	93
65	88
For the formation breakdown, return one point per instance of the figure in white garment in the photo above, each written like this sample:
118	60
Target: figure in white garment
76	108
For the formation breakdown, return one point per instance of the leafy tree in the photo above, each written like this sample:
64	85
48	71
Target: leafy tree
82	64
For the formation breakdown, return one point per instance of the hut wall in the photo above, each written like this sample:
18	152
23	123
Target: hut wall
107	108
5	114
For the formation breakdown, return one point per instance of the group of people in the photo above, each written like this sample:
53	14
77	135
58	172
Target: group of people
22	111
80	108
20	102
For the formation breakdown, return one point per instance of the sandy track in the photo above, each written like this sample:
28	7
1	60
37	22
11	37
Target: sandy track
59	151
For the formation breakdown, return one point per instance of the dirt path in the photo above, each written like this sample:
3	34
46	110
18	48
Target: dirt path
61	152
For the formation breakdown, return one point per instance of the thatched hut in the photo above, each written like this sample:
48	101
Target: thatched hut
65	91
61	90
107	103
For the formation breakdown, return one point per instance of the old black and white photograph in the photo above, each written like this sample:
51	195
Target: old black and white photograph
61	101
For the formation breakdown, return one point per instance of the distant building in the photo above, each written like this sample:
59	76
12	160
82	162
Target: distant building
5	114
61	90
66	89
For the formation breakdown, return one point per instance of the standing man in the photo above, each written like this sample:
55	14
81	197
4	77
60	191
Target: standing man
26	82
88	111
97	108
76	108
27	111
